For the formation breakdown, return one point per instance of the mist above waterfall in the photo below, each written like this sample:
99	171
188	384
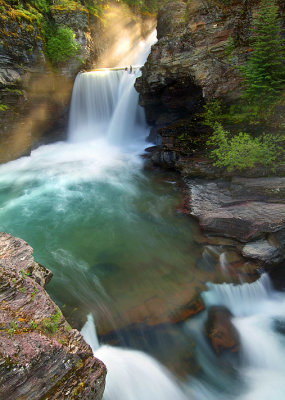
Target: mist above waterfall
124	34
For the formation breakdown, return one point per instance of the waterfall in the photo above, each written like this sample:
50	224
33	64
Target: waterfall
89	212
132	375
105	104
240	299
259	316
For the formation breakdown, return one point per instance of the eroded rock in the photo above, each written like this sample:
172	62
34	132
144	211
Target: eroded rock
41	356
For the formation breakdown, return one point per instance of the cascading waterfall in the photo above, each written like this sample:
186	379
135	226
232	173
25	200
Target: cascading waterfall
105	104
83	206
93	103
259	316
132	375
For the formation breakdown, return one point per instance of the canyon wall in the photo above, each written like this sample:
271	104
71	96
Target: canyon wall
41	356
200	45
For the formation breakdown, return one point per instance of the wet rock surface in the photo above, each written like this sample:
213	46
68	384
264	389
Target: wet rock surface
41	356
194	61
190	64
245	209
220	331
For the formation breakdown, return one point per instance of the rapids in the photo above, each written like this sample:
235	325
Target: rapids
124	259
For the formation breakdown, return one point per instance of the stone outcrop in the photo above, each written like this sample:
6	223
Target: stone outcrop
247	209
219	329
199	46
188	65
34	96
41	356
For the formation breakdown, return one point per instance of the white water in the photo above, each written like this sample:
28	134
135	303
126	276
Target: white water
105	104
256	307
132	375
105	124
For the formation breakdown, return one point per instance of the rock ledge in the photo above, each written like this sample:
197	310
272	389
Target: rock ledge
41	356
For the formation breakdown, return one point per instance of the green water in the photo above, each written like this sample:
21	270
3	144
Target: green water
110	233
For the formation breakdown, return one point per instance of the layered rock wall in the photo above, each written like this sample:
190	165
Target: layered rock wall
41	356
193	61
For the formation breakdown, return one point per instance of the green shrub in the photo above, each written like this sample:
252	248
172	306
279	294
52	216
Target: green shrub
61	45
51	324
95	7
243	151
213	113
41	5
3	107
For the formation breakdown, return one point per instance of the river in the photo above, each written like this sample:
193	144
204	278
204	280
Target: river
127	261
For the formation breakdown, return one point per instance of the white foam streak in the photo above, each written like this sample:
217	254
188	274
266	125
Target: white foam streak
256	308
132	375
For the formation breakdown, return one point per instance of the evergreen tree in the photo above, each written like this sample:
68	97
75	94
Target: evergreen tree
264	73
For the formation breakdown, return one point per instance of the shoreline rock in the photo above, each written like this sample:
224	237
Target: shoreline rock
40	354
245	209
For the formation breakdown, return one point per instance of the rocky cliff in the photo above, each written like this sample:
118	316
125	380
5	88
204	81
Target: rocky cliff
199	46
41	356
34	94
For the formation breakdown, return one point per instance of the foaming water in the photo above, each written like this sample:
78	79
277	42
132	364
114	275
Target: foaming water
259	316
117	248
132	375
242	299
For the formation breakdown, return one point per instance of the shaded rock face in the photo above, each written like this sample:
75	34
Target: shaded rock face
34	98
41	356
220	331
190	65
187	65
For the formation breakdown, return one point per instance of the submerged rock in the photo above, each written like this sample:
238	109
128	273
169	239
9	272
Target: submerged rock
40	354
220	330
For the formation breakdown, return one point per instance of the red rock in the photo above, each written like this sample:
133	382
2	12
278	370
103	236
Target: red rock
220	331
40	354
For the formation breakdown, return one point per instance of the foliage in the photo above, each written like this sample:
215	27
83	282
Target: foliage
13	328
264	72
243	151
95	7
3	107
213	113
42	5
51	324
33	324
61	45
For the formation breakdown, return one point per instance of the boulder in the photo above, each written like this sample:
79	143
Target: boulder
220	331
262	250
